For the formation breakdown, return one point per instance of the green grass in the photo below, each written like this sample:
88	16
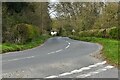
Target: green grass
110	48
8	47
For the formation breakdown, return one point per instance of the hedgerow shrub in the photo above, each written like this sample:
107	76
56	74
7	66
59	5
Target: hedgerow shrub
25	33
104	33
114	33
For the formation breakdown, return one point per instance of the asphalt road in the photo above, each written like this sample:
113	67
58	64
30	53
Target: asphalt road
58	57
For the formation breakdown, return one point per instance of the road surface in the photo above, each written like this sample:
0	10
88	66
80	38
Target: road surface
58	57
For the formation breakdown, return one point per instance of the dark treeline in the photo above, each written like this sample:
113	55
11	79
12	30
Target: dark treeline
23	21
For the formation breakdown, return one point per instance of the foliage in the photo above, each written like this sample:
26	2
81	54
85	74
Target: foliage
105	33
25	33
9	47
109	16
85	16
114	33
16	13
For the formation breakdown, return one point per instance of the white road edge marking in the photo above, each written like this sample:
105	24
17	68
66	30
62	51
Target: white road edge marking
52	77
95	72
79	70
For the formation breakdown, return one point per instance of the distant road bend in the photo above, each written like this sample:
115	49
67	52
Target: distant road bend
58	57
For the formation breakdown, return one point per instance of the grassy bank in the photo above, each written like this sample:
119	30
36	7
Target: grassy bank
8	47
110	48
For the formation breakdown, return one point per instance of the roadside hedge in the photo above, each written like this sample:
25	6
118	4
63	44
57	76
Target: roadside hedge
11	47
25	33
112	33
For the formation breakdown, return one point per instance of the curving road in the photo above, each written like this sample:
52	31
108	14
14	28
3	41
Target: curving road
58	57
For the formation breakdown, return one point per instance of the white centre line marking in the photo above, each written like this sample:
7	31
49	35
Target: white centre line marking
60	49
20	58
51	53
34	56
69	43
68	46
56	51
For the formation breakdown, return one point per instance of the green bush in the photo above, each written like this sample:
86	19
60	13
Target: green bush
114	33
10	47
85	34
25	33
105	33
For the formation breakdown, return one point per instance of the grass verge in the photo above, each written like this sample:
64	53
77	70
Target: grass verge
8	47
110	48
